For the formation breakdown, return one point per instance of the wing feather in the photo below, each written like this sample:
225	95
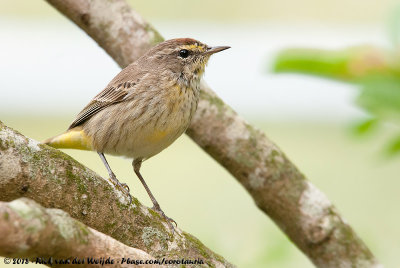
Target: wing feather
109	96
117	90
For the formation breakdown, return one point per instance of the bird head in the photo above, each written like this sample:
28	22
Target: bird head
185	57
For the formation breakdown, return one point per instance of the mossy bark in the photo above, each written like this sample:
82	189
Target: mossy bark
33	233
55	180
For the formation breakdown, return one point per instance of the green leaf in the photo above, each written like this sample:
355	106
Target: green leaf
394	147
350	64
365	126
380	95
313	61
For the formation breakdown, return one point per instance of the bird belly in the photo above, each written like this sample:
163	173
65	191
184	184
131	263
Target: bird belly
148	143
138	139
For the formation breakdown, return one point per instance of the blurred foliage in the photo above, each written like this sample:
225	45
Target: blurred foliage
375	70
353	64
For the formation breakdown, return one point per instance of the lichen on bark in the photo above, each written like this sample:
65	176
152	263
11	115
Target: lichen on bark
56	180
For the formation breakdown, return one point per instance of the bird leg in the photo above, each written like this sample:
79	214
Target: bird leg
123	186
136	167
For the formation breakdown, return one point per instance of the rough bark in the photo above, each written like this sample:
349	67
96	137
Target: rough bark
278	188
55	180
51	237
276	185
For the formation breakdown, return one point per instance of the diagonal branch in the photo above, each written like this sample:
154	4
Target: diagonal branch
53	179
51	236
276	185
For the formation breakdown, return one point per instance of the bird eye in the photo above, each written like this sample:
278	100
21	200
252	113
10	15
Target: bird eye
183	53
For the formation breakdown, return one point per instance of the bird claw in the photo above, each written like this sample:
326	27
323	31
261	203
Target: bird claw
125	186
122	186
169	220
130	198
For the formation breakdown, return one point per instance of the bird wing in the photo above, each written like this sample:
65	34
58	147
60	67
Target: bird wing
110	95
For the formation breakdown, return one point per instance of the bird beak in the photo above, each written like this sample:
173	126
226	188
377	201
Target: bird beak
213	50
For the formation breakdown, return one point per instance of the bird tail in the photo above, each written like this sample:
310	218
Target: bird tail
74	138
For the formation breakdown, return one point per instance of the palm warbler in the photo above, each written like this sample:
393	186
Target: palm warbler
145	108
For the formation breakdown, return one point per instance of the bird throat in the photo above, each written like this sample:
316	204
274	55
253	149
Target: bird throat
191	79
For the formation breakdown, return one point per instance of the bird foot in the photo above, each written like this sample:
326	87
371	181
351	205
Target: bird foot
122	186
169	221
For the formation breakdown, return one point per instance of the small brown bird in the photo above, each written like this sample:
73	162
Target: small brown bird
145	108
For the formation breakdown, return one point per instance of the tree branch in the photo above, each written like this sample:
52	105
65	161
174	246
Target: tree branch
276	185
30	231
54	179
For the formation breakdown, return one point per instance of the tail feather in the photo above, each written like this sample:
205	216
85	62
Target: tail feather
74	138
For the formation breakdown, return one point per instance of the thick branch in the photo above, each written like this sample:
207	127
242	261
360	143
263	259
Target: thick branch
278	188
48	236
55	180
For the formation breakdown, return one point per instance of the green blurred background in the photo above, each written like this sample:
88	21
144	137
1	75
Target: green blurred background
50	70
